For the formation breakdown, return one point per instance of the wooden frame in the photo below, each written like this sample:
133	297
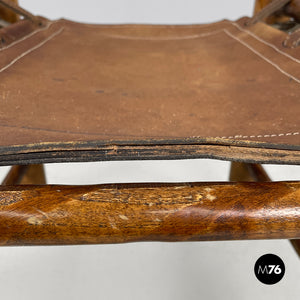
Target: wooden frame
55	215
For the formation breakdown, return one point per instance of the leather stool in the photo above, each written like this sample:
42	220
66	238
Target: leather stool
78	93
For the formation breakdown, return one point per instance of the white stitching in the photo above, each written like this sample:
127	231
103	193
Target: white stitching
265	42
218	137
261	56
32	49
201	26
258	136
27	36
137	25
194	36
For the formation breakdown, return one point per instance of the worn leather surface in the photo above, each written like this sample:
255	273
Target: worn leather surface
69	91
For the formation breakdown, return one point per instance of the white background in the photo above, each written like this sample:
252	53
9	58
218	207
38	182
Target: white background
207	270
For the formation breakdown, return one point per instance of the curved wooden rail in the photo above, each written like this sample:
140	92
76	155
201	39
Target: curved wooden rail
55	215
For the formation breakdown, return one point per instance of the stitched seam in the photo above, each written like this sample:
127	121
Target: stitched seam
218	137
195	36
28	36
258	136
262	56
265	42
31	50
120	26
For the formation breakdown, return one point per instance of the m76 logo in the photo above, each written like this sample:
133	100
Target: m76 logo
269	269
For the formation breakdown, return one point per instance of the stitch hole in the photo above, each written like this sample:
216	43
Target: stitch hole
3	41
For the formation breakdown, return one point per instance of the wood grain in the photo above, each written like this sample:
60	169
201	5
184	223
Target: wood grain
59	215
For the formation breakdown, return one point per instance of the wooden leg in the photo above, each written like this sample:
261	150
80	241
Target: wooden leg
31	174
248	172
296	246
254	172
8	15
279	17
260	4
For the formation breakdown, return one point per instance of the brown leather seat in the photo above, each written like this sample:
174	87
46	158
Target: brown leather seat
78	92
